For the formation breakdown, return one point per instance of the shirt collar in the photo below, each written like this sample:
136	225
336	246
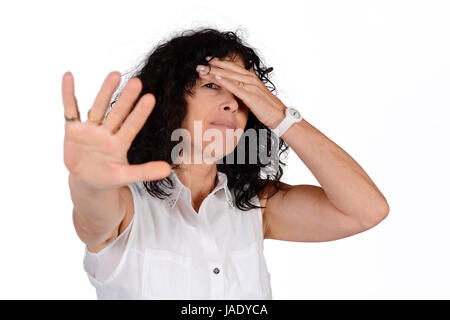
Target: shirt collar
179	186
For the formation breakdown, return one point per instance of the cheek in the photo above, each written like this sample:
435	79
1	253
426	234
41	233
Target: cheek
198	109
243	119
194	115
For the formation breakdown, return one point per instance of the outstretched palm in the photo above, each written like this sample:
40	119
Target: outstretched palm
97	153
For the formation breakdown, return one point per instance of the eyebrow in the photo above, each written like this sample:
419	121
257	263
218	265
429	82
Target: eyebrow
202	81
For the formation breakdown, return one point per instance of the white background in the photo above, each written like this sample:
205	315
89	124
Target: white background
374	76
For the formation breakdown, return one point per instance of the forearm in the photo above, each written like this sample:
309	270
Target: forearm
95	212
345	183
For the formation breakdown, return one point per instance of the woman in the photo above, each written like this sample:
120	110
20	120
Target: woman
158	223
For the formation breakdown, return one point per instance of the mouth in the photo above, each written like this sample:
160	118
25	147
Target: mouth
224	124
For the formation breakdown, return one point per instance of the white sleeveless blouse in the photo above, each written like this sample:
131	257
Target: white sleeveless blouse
168	251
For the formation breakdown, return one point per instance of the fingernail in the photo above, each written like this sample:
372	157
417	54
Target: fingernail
208	58
200	67
218	77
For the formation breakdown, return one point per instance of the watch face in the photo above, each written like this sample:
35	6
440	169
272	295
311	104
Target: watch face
294	113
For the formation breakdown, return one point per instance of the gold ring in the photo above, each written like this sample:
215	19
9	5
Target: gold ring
241	84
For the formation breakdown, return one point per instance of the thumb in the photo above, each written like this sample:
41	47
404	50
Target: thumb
153	170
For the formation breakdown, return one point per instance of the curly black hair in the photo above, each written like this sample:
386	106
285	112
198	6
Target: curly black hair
168	72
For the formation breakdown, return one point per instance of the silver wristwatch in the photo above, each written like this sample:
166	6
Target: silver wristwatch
292	116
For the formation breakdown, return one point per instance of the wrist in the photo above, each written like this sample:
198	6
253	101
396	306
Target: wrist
79	185
277	118
291	116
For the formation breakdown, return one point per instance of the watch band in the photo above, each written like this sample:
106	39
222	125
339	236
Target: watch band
292	116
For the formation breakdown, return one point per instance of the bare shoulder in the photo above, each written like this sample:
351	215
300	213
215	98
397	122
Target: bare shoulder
270	193
129	213
304	213
127	198
268	196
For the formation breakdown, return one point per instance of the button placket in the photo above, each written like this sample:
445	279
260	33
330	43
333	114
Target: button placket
217	280
210	241
212	250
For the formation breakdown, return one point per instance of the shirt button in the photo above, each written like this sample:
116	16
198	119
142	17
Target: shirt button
216	270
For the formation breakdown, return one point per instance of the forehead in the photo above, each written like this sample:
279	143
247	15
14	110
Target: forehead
237	59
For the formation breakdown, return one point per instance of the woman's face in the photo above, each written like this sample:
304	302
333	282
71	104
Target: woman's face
208	104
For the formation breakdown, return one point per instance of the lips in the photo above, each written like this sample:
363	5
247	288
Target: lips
224	123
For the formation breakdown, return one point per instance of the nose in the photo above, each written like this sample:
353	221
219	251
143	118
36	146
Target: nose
228	107
231	105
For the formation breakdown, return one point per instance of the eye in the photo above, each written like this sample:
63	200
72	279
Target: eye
206	85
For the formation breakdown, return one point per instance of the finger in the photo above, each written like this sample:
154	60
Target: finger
154	170
123	105
252	84
103	98
246	78
68	97
231	85
136	119
227	64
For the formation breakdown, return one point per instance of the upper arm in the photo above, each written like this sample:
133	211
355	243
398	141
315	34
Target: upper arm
127	198
304	213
